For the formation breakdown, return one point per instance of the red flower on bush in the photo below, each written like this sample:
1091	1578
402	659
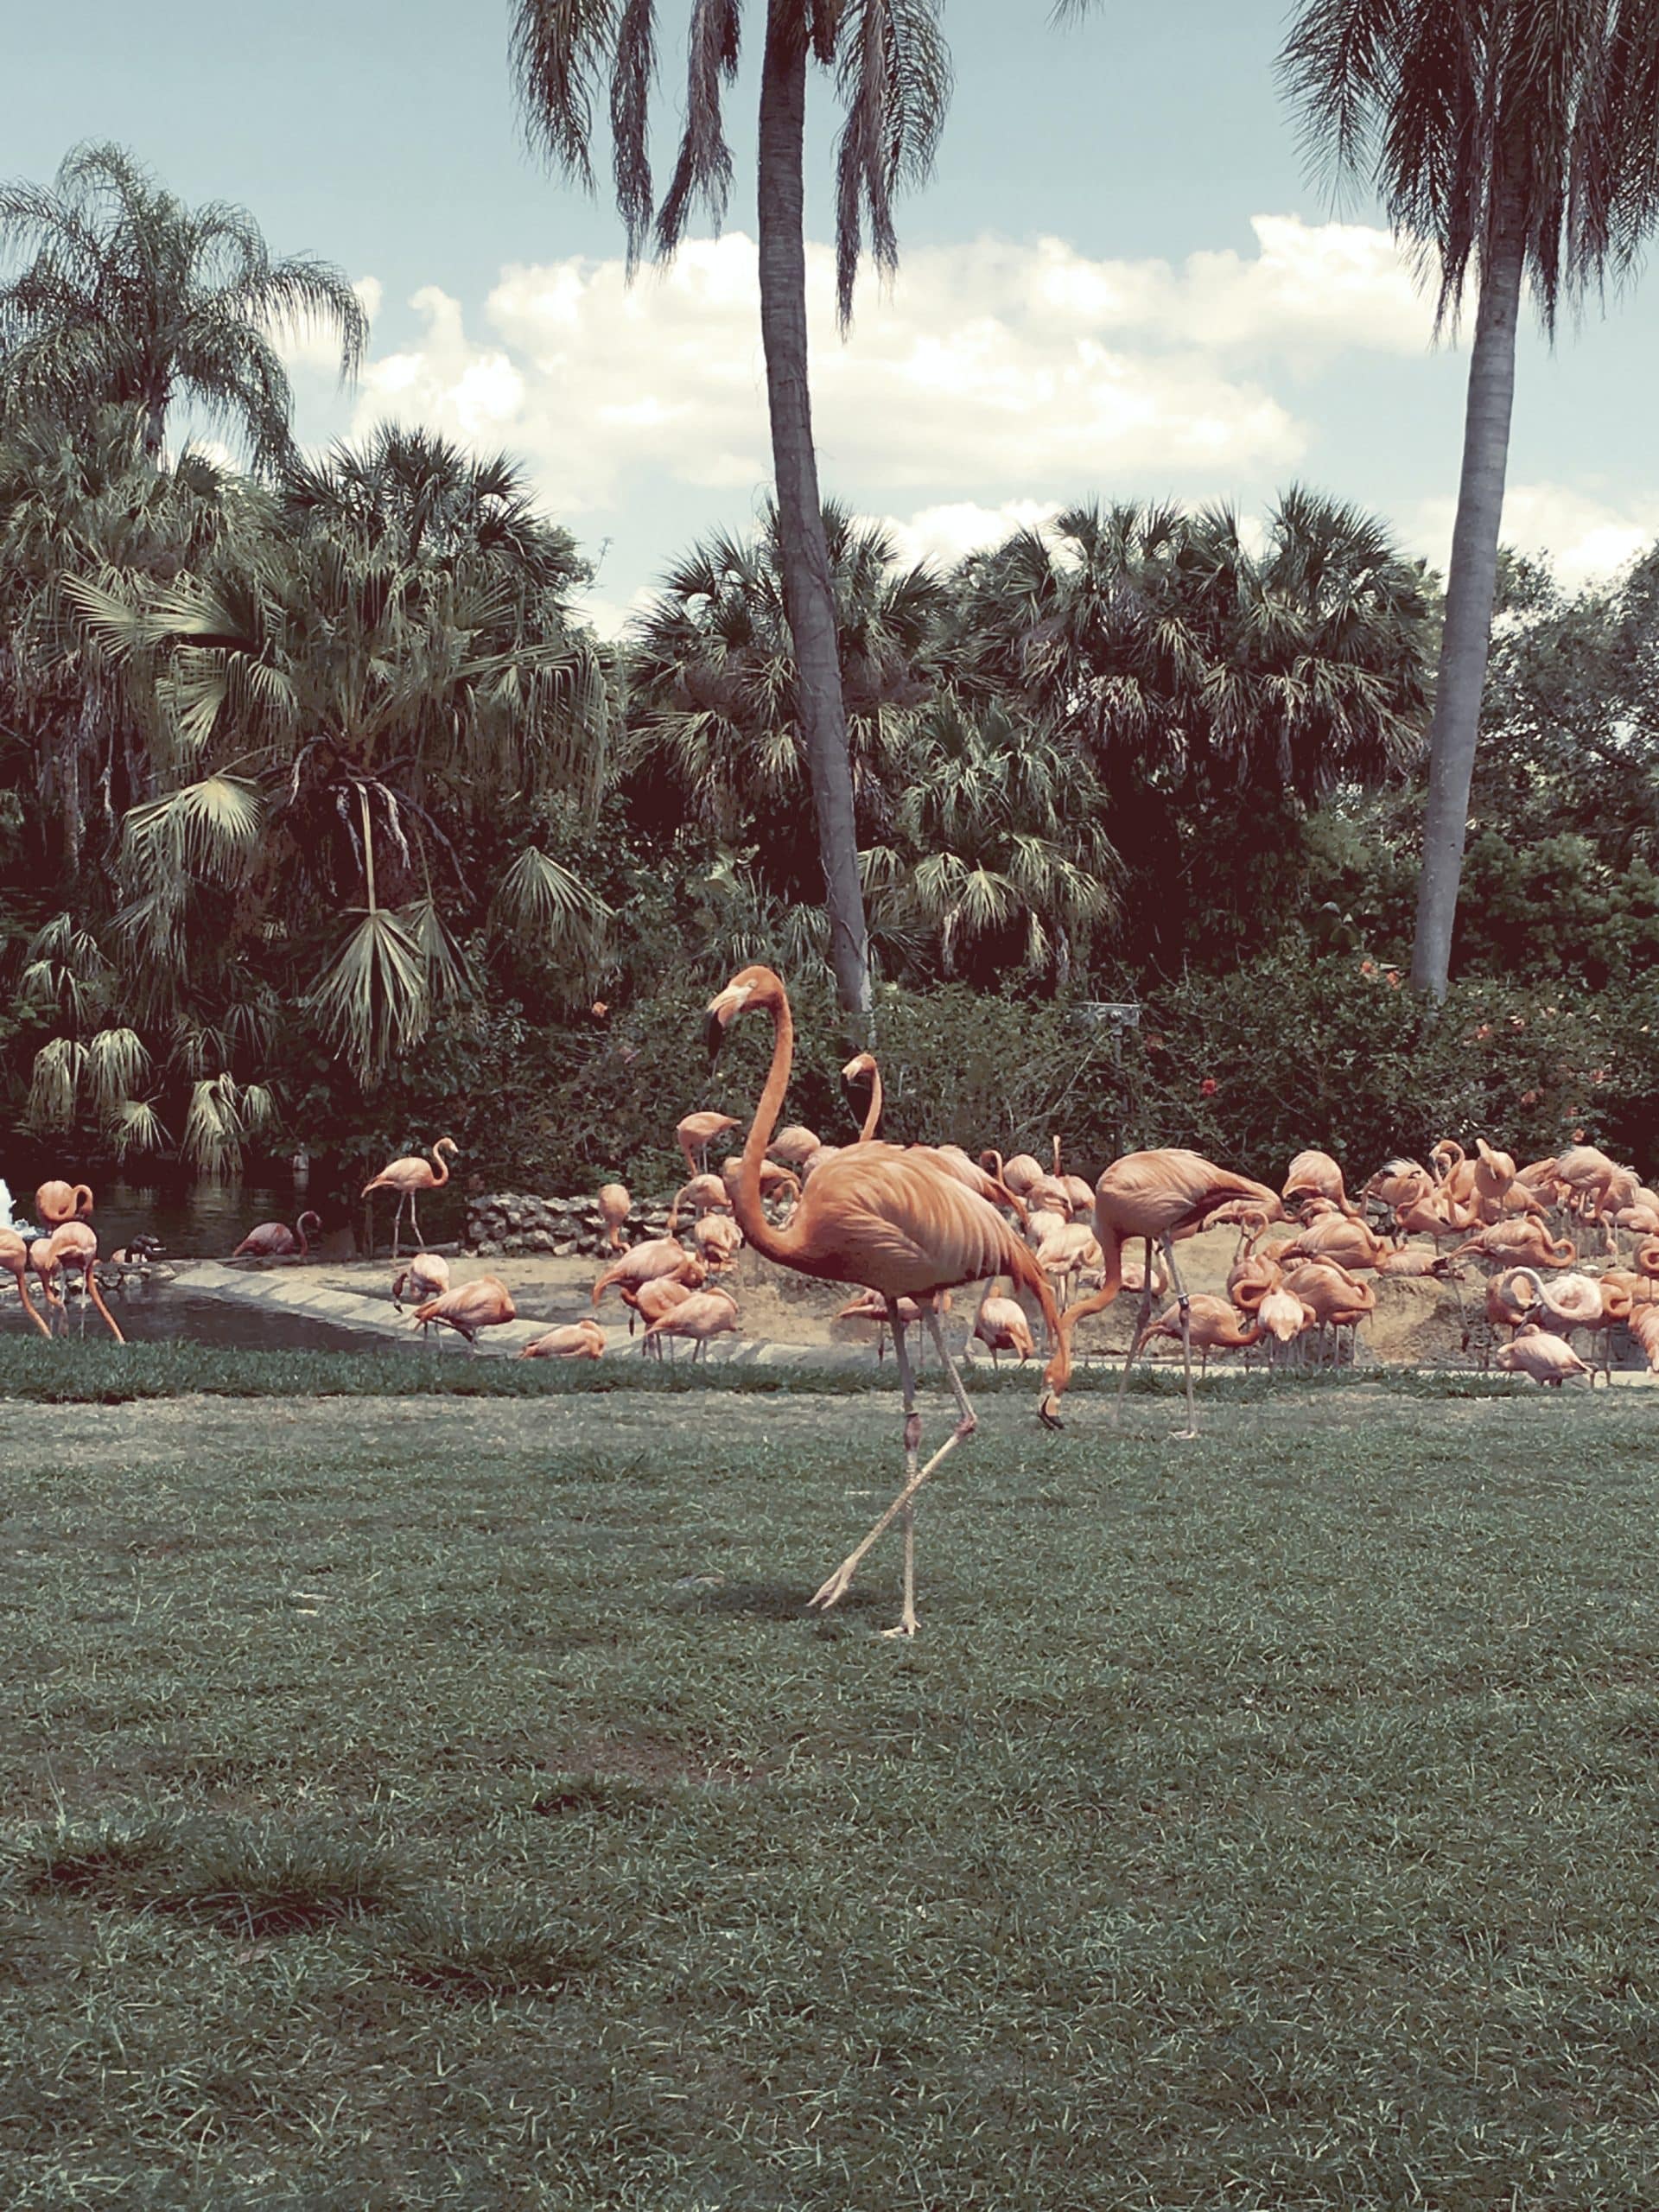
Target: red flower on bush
1207	1088
1529	1098
1391	977
1368	967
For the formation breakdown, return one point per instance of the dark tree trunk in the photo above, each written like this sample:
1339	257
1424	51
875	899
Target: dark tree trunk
1472	584
808	596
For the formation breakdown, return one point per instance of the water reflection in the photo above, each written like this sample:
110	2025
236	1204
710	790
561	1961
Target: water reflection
159	1312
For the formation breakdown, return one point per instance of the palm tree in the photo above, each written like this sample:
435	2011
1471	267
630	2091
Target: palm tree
80	501
1512	143
417	496
1205	681
717	727
332	726
126	295
892	76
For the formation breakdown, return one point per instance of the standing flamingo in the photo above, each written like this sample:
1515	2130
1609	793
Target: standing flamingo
704	1314
897	1222
424	1277
274	1240
697	1133
484	1303
74	1245
1549	1359
659	1259
14	1258
614	1207
1316	1175
1210	1323
408	1177
56	1202
1158	1197
1000	1325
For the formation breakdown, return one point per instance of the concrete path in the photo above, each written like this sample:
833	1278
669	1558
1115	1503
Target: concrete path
294	1289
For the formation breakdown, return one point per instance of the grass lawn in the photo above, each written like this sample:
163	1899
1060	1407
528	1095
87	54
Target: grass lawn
426	1802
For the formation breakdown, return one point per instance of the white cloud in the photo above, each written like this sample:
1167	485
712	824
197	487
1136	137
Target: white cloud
1004	368
1587	539
311	350
948	534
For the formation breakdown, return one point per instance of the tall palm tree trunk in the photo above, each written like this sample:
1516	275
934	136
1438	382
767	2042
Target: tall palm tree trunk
809	600
1472	584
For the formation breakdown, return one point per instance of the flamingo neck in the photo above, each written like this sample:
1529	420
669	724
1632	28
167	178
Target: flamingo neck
745	1198
440	1167
873	1117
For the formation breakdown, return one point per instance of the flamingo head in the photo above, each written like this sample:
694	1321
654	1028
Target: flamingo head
749	987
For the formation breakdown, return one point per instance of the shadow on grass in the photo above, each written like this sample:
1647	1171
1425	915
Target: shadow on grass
258	1878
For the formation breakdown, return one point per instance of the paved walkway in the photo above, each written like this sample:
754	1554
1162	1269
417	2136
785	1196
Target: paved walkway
294	1290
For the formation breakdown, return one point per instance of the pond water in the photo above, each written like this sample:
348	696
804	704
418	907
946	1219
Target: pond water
156	1313
196	1220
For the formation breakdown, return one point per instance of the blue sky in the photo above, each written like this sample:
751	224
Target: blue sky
1119	283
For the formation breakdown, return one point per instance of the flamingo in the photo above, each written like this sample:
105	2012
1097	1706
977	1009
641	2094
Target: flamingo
658	1258
1000	1325
44	1261
651	1302
1519	1240
703	1194
871	1305
484	1303
584	1339
1549	1359
274	1240
1336	1236
892	1220
1210	1323
863	1072
425	1276
408	1177
1283	1317
1337	1300
718	1240
1080	1193
704	1314
1158	1197
614	1207
795	1146
697	1133
864	1069
776	1182
1643	1326
1017	1174
1316	1175
14	1258
74	1245
56	1202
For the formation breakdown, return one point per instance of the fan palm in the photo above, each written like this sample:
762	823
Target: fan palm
1000	856
124	295
893	78
1512	143
78	503
716	701
329	721
417	496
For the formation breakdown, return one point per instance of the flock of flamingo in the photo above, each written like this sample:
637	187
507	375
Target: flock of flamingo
904	1226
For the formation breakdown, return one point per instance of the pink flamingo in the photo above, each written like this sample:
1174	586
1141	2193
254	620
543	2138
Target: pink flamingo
484	1303
14	1258
274	1240
584	1339
408	1177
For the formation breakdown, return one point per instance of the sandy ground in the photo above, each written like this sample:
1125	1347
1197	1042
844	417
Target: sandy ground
1416	1323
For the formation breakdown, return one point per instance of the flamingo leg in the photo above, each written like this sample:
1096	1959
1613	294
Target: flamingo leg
835	1587
28	1305
1185	1303
397	1220
906	1622
1141	1319
415	1219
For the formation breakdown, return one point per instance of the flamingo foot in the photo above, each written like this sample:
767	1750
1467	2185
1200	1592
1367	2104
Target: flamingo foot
834	1590
906	1625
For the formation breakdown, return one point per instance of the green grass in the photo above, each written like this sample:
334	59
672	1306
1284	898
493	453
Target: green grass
413	1804
104	1373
